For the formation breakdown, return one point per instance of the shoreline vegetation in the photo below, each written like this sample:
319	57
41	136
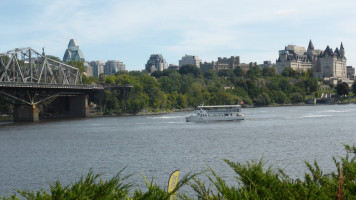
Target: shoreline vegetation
253	180
186	88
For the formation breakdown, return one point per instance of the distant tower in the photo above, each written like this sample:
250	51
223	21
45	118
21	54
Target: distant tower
73	53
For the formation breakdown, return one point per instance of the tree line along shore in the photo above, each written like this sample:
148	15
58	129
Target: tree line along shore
188	87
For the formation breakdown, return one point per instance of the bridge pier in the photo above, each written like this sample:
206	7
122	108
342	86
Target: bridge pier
25	113
78	106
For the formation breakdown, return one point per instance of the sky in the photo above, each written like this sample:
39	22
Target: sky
132	30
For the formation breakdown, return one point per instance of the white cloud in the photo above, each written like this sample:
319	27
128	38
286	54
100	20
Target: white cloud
207	28
285	12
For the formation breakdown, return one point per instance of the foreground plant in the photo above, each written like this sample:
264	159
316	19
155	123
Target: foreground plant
255	181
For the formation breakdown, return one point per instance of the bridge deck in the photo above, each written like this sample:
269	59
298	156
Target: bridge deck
49	86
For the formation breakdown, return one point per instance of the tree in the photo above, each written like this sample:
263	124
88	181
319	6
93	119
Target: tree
285	86
54	58
157	74
253	90
297	97
238	71
354	88
342	88
280	97
77	64
289	72
111	102
254	72
262	99
311	85
310	73
109	80
210	74
190	69
269	71
224	73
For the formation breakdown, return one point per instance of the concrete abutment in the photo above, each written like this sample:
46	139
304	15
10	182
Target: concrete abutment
78	106
25	113
62	107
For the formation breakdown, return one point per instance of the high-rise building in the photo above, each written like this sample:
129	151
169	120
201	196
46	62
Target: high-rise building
88	70
156	62
113	66
98	67
190	60
73	53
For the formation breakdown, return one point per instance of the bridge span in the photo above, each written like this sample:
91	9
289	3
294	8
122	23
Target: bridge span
28	78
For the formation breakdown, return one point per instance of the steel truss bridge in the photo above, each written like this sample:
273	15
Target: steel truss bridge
28	77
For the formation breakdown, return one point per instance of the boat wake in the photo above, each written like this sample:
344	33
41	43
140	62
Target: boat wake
340	111
166	117
314	116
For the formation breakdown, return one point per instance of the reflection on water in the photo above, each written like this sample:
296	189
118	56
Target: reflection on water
34	154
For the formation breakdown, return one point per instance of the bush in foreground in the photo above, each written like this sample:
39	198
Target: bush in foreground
254	181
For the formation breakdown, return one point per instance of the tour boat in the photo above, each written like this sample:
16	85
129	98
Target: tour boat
216	113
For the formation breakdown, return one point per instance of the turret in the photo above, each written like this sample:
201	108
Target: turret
310	46
342	50
337	52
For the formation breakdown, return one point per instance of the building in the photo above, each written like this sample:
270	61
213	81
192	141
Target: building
266	63
88	70
222	63
156	62
113	66
294	57
73	53
173	67
325	64
350	72
190	60
247	66
98	67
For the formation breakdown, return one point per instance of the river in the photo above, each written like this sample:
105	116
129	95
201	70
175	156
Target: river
35	154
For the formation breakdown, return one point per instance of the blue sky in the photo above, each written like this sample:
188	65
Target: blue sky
131	30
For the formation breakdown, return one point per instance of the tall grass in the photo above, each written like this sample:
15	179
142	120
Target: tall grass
254	180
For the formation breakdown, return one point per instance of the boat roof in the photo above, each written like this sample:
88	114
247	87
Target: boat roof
221	106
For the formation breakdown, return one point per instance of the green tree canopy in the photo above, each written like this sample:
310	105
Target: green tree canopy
354	87
342	88
77	64
190	69
238	71
54	58
209	74
269	71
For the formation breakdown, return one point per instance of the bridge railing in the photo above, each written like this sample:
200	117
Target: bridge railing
46	85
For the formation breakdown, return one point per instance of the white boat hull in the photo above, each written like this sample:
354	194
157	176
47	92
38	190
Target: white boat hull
195	118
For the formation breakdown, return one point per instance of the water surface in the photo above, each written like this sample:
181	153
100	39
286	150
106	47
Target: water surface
35	154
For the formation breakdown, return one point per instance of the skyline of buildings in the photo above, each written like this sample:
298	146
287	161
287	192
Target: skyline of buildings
325	63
